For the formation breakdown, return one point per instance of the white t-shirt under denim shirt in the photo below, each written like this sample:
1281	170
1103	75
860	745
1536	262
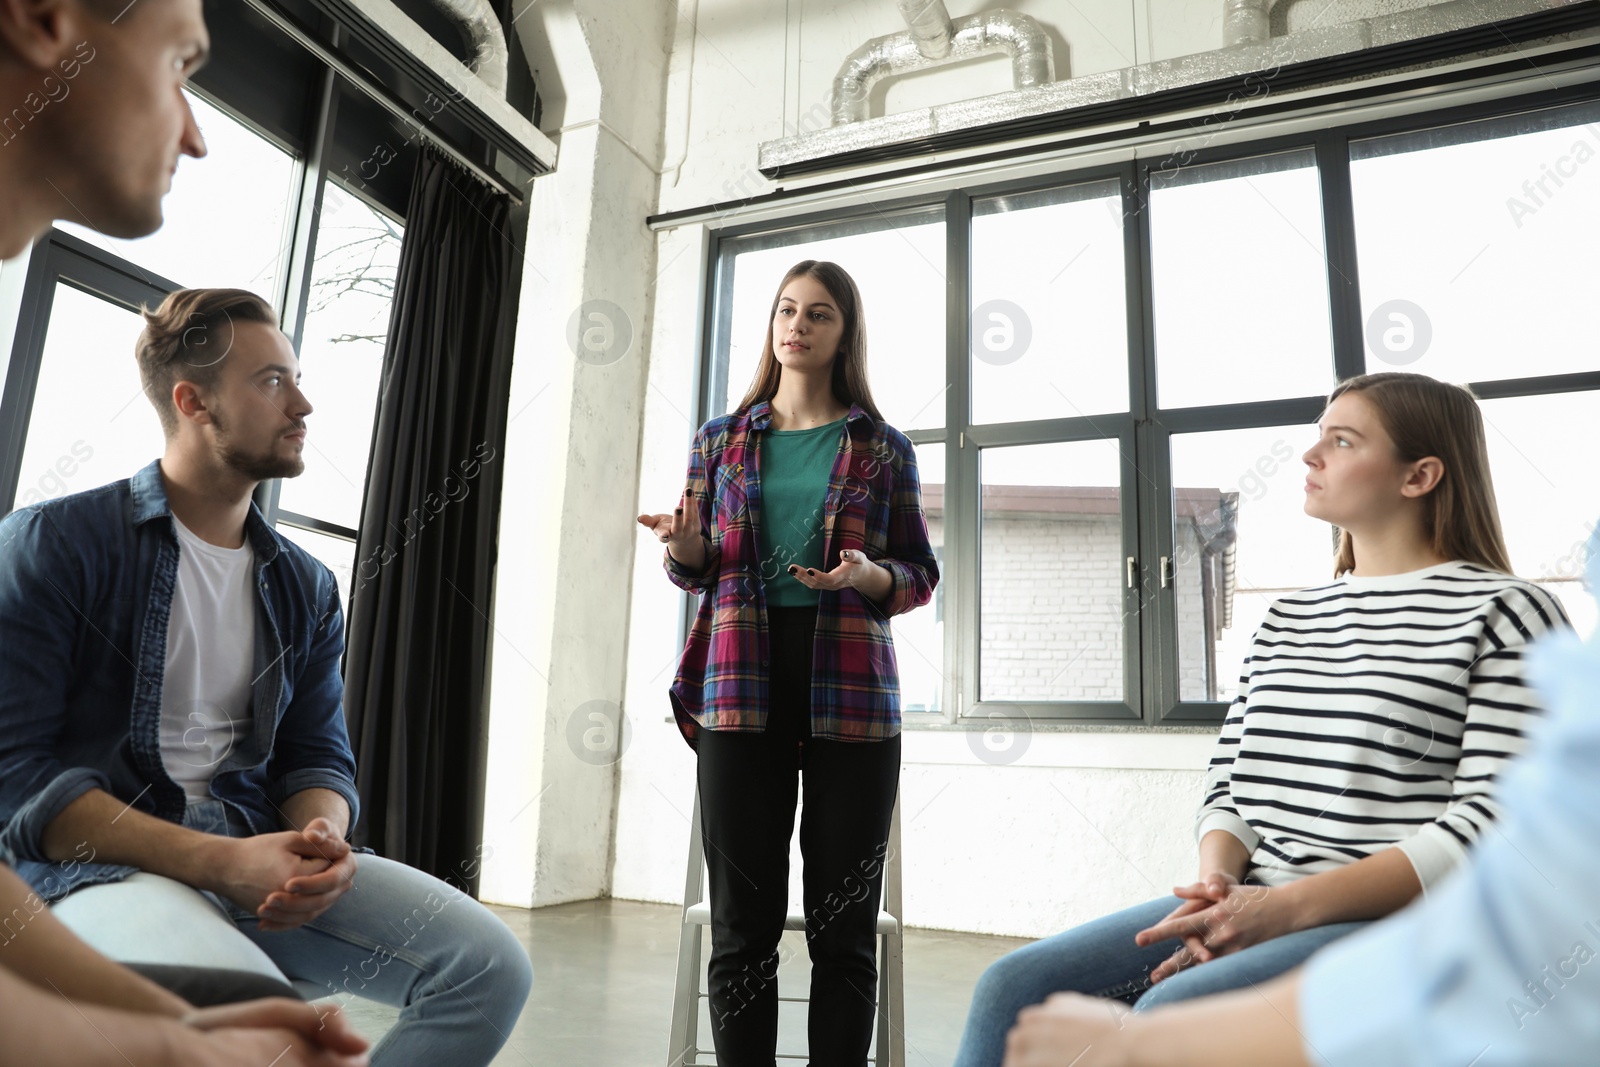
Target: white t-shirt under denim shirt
1377	712
205	691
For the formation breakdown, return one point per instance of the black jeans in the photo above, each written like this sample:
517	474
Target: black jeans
747	805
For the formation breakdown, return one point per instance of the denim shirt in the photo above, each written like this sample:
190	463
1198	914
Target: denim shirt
86	586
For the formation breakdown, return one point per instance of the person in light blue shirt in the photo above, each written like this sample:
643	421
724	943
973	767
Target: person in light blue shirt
1499	965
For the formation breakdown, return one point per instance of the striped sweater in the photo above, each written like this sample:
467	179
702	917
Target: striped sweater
1377	712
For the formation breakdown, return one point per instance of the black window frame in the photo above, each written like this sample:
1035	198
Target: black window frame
1145	430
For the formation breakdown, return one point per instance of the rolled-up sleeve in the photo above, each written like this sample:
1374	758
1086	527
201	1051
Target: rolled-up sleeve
42	598
696	481
909	555
312	745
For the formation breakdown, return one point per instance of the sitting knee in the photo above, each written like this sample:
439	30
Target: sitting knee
489	957
510	960
995	981
521	974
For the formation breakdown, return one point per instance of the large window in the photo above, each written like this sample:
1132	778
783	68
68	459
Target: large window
1049	326
341	358
898	263
1053	615
1489	277
1476	246
90	422
1134	365
1239	278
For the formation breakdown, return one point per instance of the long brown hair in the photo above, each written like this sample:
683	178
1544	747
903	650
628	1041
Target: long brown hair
849	364
1427	417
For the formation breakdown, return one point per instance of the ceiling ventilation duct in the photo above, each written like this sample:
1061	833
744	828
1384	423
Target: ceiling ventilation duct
1363	56
478	18
1246	21
933	40
930	26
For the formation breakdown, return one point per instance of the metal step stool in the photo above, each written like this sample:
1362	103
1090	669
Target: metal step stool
890	1048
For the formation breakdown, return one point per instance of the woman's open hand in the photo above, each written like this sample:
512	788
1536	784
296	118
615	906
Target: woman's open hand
853	571
680	532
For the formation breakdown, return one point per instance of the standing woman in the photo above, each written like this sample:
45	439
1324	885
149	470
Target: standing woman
1359	762
801	525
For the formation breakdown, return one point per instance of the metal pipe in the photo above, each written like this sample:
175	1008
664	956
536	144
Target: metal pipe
989	32
929	25
1246	21
478	18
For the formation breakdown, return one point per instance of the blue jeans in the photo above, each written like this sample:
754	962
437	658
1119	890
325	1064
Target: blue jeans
1100	959
398	936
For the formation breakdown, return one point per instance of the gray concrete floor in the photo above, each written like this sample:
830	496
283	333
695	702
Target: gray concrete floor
603	983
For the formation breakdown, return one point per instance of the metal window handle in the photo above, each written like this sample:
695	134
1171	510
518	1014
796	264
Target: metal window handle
1166	571
1130	571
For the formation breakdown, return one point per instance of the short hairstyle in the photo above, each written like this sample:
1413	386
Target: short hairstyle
187	339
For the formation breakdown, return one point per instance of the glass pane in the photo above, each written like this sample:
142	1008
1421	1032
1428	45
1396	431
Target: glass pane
91	421
1541	457
1242	540
919	634
1477	259
1049	305
1240	282
227	216
1051	573
900	272
341	356
336	552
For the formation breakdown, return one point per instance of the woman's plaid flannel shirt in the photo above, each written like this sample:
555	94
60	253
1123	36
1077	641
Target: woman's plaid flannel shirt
874	504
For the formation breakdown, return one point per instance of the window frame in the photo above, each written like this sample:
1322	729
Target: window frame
60	258
1145	430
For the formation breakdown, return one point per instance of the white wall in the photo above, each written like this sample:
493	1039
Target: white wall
572	452
764	69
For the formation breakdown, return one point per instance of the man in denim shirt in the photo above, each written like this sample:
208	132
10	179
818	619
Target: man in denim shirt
99	124
170	712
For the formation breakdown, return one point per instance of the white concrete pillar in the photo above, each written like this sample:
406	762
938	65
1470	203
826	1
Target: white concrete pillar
567	526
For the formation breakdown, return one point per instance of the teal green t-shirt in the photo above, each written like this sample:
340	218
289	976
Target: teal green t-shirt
795	467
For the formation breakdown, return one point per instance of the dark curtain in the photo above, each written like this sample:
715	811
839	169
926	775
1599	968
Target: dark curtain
419	632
